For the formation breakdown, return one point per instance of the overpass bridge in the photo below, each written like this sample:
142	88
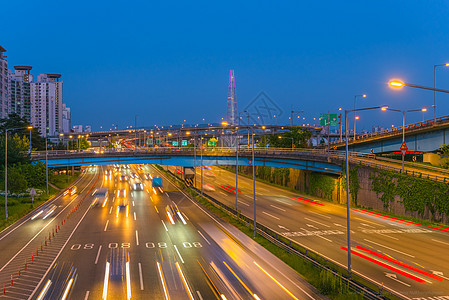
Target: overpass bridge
317	160
425	136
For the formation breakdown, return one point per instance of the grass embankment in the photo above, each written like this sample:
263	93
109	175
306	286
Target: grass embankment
325	281
21	206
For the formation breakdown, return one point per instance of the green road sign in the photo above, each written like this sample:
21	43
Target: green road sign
211	143
184	143
175	144
328	120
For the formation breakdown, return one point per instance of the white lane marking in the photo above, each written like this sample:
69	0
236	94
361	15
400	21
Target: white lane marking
327	217
54	218
440	242
222	193
166	229
277	207
364	220
106	226
336	224
203	237
87	295
110	210
249	196
141	276
317	235
283	227
389	248
311	220
60	251
133	203
98	255
310	225
367	225
134	216
394	277
388	236
270	215
199	295
185	216
176	248
137	238
283	202
242	202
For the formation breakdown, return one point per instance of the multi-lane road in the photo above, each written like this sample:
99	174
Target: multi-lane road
407	259
131	248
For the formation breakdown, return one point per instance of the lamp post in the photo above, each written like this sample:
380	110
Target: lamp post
30	128
201	167
355	109
435	92
399	84
135	133
291	115
254	181
46	162
348	212
403	125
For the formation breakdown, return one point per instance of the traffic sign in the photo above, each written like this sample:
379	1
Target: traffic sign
250	162
404	148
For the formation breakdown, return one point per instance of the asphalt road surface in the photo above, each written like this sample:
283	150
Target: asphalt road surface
407	259
138	244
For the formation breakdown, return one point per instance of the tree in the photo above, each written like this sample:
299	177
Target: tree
15	121
16	181
17	150
298	136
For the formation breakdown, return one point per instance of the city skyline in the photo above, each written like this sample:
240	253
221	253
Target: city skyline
297	60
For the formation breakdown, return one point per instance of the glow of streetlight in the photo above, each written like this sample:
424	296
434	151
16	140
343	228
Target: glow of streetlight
357	117
224	123
396	83
424	109
364	95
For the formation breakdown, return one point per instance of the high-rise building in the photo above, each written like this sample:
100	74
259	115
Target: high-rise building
77	128
3	84
66	118
19	100
46	104
232	100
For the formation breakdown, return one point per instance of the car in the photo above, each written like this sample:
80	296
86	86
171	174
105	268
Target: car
123	178
70	191
173	214
100	197
45	212
138	186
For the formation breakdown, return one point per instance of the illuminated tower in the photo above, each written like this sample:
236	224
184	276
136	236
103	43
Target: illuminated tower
232	101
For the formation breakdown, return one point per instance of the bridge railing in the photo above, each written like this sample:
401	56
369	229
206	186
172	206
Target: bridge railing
394	130
206	151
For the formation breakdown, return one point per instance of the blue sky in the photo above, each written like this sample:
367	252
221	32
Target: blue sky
169	61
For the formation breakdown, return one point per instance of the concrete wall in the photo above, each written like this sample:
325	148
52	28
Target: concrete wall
366	198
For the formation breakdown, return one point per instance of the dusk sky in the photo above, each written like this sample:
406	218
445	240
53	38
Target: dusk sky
169	61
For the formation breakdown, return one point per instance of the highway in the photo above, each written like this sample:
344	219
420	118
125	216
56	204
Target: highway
137	251
408	259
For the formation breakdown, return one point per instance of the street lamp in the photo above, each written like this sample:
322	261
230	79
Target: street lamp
403	124
355	117
348	214
399	84
30	128
435	92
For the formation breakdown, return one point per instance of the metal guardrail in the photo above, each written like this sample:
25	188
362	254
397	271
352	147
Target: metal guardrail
206	151
395	130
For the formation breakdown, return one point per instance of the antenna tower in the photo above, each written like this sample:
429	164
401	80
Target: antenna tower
232	100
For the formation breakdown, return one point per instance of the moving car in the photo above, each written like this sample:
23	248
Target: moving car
45	212
138	186
100	197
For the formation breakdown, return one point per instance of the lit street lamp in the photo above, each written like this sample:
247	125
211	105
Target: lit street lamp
435	92
399	84
30	128
403	124
355	109
348	214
